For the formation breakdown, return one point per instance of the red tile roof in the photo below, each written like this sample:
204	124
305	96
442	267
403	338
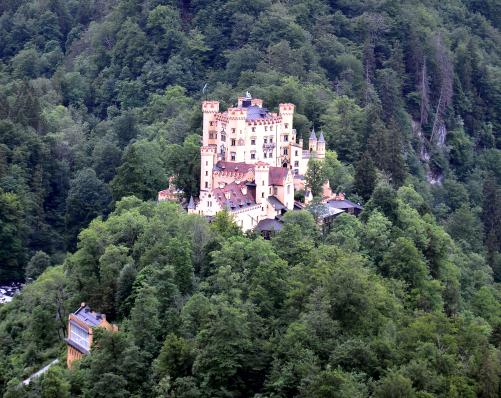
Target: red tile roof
232	196
277	175
241	167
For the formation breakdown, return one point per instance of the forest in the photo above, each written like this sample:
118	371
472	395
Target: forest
100	104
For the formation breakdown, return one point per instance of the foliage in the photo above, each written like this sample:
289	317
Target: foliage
102	97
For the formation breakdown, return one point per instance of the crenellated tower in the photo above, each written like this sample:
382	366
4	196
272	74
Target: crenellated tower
207	160
262	180
209	110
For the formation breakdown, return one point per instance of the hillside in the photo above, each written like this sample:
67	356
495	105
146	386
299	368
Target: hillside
100	102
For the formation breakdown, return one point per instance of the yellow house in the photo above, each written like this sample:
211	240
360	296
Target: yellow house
81	325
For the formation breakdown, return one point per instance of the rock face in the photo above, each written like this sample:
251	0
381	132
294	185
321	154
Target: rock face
8	291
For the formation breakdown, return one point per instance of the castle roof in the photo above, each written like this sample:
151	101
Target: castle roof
234	196
277	205
277	175
255	112
191	203
313	136
239	167
321	138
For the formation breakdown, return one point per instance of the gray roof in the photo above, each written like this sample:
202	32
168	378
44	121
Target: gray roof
191	204
321	138
89	317
269	224
344	204
255	112
277	205
313	136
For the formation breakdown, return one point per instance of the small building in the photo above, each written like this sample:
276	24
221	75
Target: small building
81	326
171	194
269	227
347	205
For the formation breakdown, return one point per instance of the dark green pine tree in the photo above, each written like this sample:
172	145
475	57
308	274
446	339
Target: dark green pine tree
365	176
491	217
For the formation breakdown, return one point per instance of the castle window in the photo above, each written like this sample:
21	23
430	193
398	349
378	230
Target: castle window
253	155
265	128
206	173
286	125
253	129
265	155
286	152
211	123
253	141
233	131
233	142
271	140
211	136
266	140
206	184
286	138
262	194
296	163
275	191
297	153
233	156
206	163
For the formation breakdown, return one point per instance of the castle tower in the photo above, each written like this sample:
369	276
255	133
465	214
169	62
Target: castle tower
209	109
207	160
286	112
321	146
262	179
312	142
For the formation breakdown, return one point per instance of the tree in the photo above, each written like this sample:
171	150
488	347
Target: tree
144	322
87	198
466	228
365	177
175	358
404	261
141	173
183	163
54	385
37	264
12	253
342	123
296	240
395	385
315	177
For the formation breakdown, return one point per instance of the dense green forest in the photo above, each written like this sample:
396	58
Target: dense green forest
100	103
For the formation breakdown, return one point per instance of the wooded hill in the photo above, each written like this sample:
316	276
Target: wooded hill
100	103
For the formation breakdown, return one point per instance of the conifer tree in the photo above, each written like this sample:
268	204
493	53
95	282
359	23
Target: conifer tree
365	177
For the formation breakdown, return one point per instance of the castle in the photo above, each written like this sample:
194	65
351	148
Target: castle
251	161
